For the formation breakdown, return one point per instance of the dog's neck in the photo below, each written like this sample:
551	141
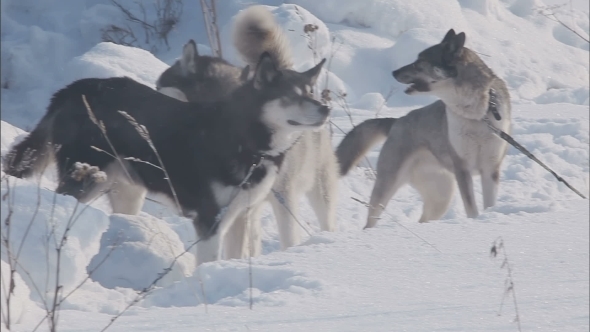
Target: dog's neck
283	141
256	158
258	136
466	102
468	94
260	143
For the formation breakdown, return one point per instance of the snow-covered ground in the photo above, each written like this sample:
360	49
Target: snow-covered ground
400	276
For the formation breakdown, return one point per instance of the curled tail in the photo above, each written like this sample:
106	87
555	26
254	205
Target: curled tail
29	156
255	32
359	140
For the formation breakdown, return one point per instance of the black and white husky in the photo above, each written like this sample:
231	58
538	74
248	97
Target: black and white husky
310	167
221	157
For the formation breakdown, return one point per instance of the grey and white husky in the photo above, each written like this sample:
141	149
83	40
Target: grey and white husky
222	157
310	166
448	140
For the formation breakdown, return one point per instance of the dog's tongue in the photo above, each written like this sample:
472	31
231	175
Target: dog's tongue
410	89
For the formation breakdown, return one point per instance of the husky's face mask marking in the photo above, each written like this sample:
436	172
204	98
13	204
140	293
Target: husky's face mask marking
435	64
289	95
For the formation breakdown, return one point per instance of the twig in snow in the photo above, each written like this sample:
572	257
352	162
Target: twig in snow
497	246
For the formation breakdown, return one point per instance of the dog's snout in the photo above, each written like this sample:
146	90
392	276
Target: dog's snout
324	110
400	73
404	74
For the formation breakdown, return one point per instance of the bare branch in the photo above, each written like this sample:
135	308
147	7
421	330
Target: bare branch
209	11
550	12
497	246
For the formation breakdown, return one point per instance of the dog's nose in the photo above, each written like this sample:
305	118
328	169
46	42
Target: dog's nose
395	73
324	110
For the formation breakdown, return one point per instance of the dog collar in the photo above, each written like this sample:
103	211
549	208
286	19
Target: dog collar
257	160
493	105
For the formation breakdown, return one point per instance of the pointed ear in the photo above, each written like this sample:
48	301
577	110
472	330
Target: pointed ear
452	49
245	73
188	61
266	71
313	73
449	36
459	41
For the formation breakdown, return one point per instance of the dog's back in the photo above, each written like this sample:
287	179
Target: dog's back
197	77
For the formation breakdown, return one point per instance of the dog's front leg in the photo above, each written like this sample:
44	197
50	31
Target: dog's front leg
209	249
212	227
283	201
241	241
465	184
490	179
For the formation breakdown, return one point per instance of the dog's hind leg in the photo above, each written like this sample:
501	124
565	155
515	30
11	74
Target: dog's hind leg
239	238
124	195
126	198
393	171
322	198
435	184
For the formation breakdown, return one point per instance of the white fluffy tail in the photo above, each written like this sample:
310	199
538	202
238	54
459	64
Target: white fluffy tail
255	32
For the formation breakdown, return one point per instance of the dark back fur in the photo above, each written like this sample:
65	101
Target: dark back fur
197	142
213	80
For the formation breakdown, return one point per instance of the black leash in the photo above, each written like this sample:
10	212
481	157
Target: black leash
500	133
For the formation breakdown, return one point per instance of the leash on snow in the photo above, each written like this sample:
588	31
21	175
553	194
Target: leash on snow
500	133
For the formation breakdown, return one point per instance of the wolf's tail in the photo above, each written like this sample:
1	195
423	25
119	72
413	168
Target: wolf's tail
255	32
359	140
31	155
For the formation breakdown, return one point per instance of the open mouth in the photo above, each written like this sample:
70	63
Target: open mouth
417	86
316	124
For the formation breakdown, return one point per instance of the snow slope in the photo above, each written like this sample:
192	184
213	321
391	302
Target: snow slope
400	276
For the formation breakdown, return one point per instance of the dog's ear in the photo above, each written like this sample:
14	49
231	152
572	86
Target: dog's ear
459	41
449	36
188	61
266	71
453	47
245	73
313	73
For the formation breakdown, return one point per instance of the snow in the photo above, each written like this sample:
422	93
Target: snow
134	249
400	276
107	60
41	232
20	302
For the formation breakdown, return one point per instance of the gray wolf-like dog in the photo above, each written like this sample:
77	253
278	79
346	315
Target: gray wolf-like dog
310	166
222	157
432	147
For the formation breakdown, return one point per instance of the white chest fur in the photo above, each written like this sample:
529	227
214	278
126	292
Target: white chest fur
473	141
224	195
